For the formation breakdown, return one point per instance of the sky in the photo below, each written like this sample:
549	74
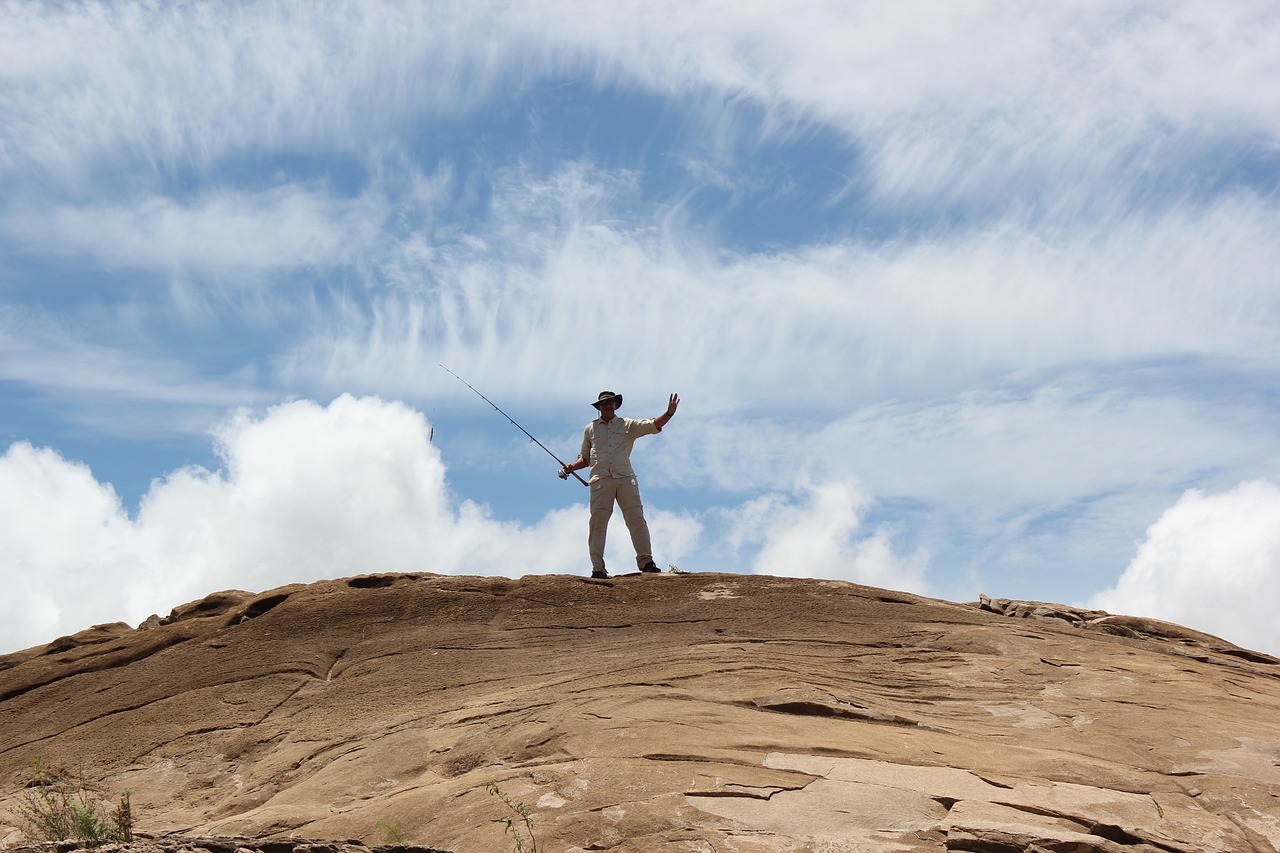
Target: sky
959	298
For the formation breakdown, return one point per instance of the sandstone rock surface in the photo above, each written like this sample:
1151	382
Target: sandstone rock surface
656	714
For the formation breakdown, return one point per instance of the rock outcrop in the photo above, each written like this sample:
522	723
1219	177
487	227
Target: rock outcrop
655	714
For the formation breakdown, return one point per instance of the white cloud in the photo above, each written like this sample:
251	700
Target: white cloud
304	492
1056	105
116	388
227	232
528	306
167	87
64	546
307	491
815	532
1035	489
1051	442
523	300
967	100
1211	562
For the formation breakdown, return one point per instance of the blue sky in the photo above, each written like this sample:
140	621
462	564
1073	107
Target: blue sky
959	298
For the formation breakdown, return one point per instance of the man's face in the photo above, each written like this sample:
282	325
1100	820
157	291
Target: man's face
607	408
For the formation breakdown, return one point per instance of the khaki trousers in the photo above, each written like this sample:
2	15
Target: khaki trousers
626	492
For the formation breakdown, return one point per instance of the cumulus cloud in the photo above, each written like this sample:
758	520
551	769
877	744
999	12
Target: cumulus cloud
1211	562
815	531
304	492
65	542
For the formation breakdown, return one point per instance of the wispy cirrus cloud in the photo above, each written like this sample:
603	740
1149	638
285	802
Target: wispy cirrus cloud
121	387
1057	107
171	90
235	236
539	285
940	99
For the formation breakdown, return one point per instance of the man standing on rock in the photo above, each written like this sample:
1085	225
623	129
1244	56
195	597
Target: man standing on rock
606	447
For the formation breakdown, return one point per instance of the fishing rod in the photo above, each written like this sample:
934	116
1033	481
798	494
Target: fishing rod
517	426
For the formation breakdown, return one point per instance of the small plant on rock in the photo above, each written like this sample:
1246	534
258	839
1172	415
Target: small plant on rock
519	824
60	806
393	835
122	817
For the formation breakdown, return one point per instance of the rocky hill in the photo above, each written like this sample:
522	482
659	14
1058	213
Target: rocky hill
654	714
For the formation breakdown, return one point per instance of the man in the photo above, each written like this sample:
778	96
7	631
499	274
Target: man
606	447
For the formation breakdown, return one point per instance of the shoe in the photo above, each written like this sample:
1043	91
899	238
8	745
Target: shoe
650	568
601	575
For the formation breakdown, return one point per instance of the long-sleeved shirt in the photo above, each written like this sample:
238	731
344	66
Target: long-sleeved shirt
607	445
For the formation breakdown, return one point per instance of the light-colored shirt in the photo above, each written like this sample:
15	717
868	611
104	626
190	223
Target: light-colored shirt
607	446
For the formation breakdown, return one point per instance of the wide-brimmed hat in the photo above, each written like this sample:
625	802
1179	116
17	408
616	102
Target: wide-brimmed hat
605	396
